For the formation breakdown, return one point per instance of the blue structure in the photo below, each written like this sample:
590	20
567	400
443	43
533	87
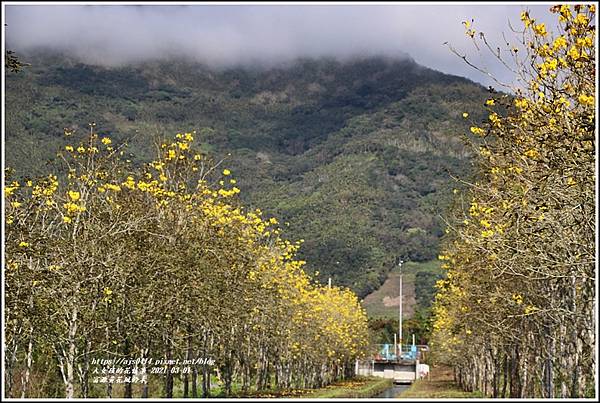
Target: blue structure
387	353
410	355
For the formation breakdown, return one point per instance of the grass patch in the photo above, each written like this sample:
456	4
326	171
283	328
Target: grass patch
359	387
383	302
440	385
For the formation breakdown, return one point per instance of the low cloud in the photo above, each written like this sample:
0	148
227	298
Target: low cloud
225	35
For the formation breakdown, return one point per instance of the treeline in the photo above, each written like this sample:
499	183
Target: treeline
515	316
117	262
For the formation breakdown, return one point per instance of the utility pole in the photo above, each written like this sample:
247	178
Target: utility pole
400	310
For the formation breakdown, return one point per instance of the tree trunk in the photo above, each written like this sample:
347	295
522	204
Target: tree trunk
128	392
186	385
70	360
195	381
496	375
575	342
205	373
189	356
548	367
85	370
504	375
10	367
227	377
145	353
205	384
514	374
169	375
25	380
525	377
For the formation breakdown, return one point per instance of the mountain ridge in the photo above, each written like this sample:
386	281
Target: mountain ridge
356	156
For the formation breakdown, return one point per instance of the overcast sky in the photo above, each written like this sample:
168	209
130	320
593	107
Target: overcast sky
222	35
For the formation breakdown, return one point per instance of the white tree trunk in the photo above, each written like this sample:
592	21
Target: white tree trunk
70	361
25	381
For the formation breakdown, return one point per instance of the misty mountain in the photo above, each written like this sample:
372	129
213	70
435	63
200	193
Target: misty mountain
357	155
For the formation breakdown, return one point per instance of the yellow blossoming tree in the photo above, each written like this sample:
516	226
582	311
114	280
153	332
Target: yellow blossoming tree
515	315
117	261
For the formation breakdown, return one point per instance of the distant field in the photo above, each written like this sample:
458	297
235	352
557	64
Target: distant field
384	301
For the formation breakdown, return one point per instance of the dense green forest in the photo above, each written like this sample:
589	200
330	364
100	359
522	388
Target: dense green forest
356	156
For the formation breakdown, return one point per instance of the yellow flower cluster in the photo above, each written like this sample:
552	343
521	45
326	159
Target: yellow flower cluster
532	153
540	29
588	100
517	298
73	208
477	130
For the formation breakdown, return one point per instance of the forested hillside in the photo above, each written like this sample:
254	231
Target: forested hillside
356	156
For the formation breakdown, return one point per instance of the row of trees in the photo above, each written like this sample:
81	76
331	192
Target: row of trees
515	315
113	261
